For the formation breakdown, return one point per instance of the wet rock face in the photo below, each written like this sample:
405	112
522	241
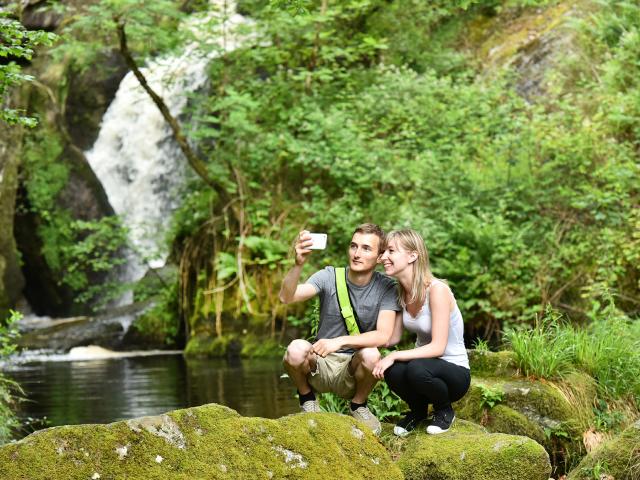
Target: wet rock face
90	93
529	41
63	335
11	279
210	441
108	330
38	14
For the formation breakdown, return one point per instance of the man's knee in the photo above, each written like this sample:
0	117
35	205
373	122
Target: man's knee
367	358
297	353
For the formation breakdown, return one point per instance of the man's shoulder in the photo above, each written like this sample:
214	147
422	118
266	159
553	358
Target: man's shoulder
323	275
383	280
328	270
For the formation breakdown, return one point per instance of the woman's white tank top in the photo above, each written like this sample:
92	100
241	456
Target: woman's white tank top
455	352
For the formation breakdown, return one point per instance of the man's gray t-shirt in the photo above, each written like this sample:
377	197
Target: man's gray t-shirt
367	301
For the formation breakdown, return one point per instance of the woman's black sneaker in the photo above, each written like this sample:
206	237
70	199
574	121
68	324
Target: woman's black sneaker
407	424
442	421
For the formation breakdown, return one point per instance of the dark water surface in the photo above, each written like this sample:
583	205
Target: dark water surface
106	390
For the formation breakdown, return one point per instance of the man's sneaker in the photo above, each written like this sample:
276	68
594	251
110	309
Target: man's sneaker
442	421
407	424
365	416
310	406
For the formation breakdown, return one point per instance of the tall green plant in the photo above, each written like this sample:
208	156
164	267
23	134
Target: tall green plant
10	391
545	351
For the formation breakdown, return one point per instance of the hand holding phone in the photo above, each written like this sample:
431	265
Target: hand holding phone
319	241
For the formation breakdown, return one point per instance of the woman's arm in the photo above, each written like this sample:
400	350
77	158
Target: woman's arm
396	335
440	299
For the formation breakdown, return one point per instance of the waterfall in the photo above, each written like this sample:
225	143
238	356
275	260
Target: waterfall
135	157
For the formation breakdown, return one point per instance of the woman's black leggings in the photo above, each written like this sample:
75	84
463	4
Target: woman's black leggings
425	381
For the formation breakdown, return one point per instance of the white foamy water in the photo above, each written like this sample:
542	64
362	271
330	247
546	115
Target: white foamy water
135	157
76	354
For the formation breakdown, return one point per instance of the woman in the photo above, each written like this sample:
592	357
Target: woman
436	371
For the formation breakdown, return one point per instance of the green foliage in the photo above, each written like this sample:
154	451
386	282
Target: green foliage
558	431
74	249
382	402
608	349
92	246
490	397
295	7
546	351
481	345
17	44
540	207
367	110
151	28
9	334
606	419
162	321
598	471
10	391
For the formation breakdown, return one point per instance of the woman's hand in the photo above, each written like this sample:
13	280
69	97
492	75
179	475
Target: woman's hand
382	365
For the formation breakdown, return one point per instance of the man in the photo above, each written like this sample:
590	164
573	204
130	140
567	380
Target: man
338	362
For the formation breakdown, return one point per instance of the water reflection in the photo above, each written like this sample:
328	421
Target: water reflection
106	390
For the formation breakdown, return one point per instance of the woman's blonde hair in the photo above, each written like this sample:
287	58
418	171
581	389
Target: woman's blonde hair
412	241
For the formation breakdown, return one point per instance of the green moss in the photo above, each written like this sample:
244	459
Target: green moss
505	419
497	40
245	346
204	345
468	452
256	347
500	418
618	458
492	364
538	410
211	441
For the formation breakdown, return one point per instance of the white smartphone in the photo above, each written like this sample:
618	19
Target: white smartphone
319	241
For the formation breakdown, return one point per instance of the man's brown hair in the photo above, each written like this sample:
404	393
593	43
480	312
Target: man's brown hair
372	228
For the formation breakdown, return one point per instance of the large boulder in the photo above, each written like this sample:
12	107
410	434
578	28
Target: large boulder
210	442
468	451
554	414
485	363
107	329
63	334
618	458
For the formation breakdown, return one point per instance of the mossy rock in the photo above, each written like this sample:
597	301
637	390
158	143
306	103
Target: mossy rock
617	458
484	363
468	451
210	442
545	412
208	345
233	345
540	402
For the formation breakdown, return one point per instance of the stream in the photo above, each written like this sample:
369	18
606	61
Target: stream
68	389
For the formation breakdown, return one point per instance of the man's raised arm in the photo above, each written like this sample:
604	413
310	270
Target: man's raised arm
291	291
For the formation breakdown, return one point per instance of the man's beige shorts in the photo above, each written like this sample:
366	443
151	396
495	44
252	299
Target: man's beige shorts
332	375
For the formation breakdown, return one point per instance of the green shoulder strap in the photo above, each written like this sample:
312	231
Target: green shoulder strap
345	303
